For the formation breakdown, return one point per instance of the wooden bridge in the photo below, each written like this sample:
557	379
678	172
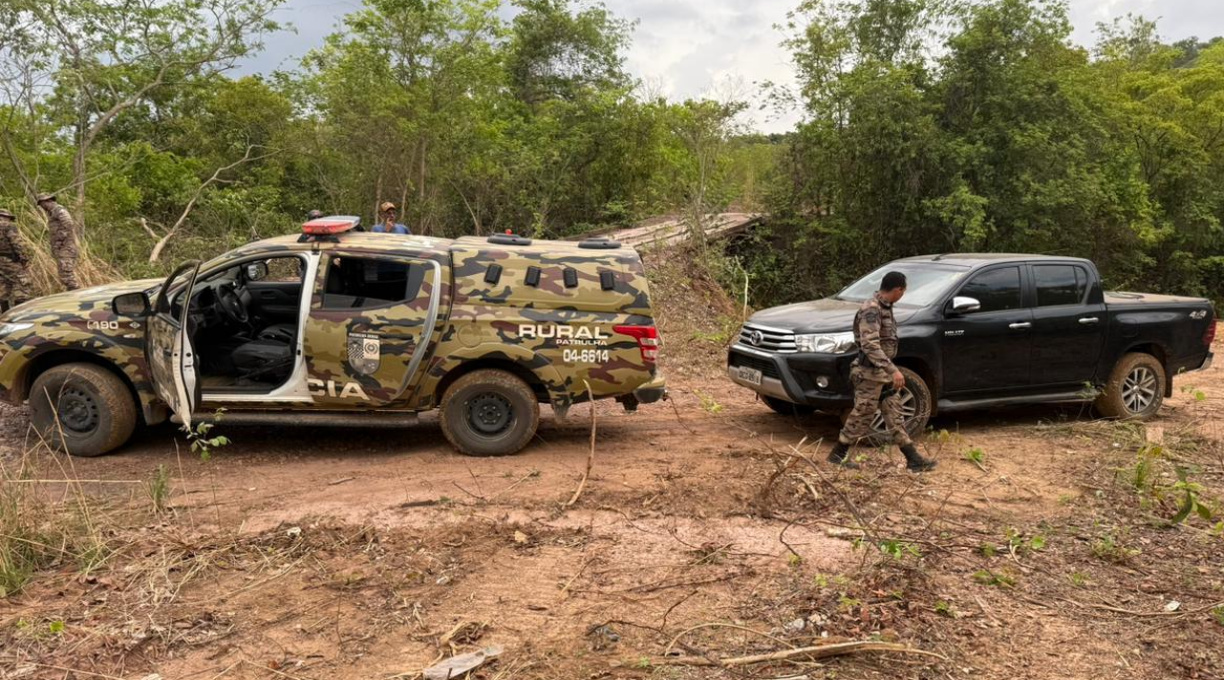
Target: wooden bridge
668	231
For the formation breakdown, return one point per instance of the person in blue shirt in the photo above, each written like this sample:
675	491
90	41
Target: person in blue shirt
386	221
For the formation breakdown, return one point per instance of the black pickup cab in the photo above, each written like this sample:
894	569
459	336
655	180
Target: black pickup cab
981	330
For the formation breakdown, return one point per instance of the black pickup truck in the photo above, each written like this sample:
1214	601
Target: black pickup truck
981	330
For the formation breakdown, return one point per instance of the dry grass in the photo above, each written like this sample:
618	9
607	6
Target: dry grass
39	532
91	271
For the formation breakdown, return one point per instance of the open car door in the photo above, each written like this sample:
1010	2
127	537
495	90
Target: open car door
172	361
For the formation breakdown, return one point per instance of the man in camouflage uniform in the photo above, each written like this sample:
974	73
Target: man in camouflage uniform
14	265
64	246
875	331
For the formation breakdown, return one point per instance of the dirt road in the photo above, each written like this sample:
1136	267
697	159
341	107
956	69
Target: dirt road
326	553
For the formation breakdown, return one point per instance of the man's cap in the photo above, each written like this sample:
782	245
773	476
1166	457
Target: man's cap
387	205
7	215
314	214
43	198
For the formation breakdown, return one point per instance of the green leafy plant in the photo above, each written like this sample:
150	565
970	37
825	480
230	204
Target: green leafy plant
1078	579
708	403
847	603
203	443
946	609
898	549
1192	503
1194	392
1217	613
159	488
1142	474
1019	544
977	457
994	578
1110	549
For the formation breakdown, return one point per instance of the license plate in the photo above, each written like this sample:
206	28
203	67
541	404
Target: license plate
748	375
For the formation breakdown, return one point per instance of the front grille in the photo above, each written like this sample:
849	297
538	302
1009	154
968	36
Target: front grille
766	366
767	339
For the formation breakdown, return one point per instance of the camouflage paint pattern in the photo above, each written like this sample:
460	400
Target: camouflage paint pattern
868	384
506	321
396	330
64	245
14	265
80	321
875	332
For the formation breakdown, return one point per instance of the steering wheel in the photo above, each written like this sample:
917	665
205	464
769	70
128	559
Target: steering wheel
229	303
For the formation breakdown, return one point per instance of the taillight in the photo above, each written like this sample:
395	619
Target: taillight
1209	334
647	338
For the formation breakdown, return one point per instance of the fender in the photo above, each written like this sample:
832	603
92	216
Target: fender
559	392
124	354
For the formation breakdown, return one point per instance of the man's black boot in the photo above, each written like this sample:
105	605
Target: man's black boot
838	456
915	462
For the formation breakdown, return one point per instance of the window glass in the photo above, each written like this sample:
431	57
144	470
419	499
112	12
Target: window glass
924	284
284	270
359	283
997	289
1059	285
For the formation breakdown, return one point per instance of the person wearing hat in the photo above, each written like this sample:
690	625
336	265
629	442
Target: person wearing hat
386	221
64	246
14	265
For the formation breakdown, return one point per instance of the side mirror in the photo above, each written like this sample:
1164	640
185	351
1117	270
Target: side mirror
131	304
256	271
964	305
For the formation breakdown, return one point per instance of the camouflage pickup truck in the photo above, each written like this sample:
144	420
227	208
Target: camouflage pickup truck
340	326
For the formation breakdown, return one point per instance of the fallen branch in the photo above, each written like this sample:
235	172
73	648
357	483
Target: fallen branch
529	475
590	456
680	420
818	652
1131	612
155	255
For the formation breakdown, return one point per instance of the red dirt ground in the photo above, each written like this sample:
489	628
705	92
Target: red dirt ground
341	554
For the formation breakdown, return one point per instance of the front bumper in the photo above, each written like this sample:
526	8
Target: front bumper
795	377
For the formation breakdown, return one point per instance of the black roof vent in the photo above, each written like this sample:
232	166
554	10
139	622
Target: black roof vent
599	243
509	240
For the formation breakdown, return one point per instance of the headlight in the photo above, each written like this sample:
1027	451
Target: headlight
828	343
7	328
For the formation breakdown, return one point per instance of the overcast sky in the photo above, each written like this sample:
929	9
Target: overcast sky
684	48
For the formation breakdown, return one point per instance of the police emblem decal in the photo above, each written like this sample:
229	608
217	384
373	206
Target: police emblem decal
364	352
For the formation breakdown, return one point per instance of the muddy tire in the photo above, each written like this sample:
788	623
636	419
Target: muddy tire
916	407
489	413
83	409
1135	390
786	408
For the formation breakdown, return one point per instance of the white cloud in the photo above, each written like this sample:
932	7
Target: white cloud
683	48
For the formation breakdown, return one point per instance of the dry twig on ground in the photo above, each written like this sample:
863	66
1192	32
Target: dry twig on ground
590	456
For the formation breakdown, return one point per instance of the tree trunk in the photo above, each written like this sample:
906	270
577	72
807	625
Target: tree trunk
78	172
421	188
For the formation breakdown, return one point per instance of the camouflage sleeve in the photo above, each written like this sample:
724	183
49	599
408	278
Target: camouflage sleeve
62	219
18	248
869	340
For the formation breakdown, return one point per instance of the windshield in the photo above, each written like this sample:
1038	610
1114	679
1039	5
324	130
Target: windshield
925	283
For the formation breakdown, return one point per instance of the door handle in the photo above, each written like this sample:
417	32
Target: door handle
1089	320
1021	325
